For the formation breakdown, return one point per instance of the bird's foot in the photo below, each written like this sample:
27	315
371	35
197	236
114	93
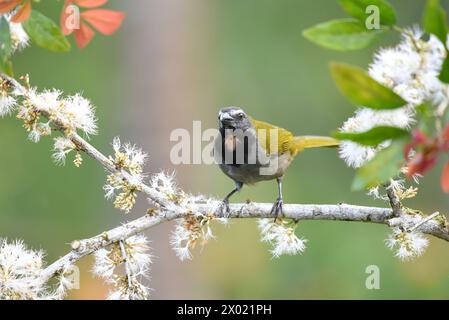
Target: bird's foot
223	209
277	208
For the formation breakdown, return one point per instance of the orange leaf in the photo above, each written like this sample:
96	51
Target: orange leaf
8	5
23	13
66	19
105	21
83	35
445	178
90	3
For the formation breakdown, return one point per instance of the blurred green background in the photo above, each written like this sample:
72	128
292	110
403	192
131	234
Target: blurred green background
173	62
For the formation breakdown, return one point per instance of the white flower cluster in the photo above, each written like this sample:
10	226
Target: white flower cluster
411	70
195	227
19	38
20	274
137	258
70	113
408	245
282	236
20	270
132	159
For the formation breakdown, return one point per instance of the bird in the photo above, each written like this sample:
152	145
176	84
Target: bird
249	151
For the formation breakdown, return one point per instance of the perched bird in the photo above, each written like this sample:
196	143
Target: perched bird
249	151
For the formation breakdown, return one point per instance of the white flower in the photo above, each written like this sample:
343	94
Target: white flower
48	100
281	236
164	184
183	238
105	263
354	154
129	289
408	245
137	250
40	129
128	156
7	104
133	252
79	113
19	37
20	270
411	68
61	148
288	243
396	185
374	192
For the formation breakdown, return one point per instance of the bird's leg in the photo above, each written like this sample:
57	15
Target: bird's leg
277	206
225	203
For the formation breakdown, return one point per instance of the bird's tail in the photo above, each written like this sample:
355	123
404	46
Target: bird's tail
305	142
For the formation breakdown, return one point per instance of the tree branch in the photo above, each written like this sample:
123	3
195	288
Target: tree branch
168	210
341	212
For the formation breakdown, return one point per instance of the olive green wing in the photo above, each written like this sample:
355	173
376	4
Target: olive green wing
265	132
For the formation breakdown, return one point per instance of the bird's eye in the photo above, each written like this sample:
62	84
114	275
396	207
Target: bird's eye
241	115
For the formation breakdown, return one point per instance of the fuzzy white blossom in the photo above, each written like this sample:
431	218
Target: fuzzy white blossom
128	156
20	270
164	184
137	259
195	228
105	263
129	289
74	112
62	146
281	236
79	113
411	68
19	38
408	245
7	104
47	100
354	154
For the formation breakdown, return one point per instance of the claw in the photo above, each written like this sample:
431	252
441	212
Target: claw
277	208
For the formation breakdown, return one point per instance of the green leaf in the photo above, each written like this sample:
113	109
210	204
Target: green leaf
434	20
444	73
374	136
362	90
342	35
45	33
5	40
384	166
358	9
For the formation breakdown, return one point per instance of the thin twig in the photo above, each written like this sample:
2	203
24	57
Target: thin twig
125	258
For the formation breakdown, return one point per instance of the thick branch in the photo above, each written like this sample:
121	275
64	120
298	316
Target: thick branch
341	212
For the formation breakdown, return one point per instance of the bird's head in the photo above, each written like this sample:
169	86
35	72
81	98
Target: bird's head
233	118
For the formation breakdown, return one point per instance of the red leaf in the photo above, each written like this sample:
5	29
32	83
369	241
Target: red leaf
65	16
23	13
419	136
8	5
105	21
90	3
446	133
445	178
83	35
421	163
